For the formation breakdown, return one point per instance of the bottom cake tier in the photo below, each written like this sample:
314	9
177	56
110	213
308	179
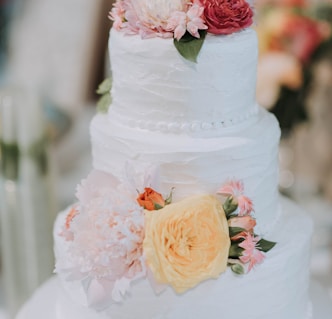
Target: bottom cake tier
277	288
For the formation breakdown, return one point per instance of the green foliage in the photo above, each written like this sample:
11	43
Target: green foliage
233	231
238	269
265	245
189	46
9	156
104	89
235	251
230	206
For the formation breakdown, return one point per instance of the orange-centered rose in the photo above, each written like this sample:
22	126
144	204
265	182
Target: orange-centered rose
187	242
150	199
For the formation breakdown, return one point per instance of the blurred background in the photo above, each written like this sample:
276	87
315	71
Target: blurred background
53	55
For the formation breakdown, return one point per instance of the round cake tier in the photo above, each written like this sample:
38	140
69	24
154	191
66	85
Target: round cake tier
277	288
153	82
196	165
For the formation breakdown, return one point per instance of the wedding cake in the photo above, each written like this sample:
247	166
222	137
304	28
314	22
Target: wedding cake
181	217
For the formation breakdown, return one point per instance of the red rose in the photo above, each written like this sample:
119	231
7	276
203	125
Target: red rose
227	16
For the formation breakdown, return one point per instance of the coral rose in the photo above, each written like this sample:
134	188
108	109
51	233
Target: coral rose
187	242
245	222
150	199
226	16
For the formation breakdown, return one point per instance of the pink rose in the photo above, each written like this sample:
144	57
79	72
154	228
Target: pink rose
227	16
245	222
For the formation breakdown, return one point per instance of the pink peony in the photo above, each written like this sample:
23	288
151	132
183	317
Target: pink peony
236	189
106	246
66	232
251	254
227	16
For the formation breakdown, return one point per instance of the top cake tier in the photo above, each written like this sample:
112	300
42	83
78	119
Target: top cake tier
154	87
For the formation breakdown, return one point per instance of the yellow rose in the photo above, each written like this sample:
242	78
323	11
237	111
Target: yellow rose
187	242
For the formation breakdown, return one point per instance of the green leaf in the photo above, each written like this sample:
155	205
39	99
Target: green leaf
105	86
230	206
169	198
235	230
238	269
265	245
38	151
157	206
235	251
104	102
189	46
9	155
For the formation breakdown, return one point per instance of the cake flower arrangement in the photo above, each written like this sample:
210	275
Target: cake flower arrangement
292	35
186	21
115	236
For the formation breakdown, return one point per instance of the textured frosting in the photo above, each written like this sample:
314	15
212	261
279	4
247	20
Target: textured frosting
195	165
198	125
152	82
265	292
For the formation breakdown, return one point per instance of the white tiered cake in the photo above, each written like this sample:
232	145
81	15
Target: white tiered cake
187	127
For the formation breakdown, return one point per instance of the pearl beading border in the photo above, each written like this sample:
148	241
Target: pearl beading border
183	127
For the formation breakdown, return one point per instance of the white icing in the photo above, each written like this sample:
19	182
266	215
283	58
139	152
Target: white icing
152	82
277	288
196	165
199	125
187	127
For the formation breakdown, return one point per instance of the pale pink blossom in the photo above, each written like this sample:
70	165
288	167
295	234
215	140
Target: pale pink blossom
117	14
178	24
236	189
190	21
195	21
251	254
154	14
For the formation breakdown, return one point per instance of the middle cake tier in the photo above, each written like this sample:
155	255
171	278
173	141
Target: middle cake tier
196	165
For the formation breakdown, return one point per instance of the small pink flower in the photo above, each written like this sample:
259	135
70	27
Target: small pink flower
251	254
245	205
236	189
190	21
177	23
195	21
117	14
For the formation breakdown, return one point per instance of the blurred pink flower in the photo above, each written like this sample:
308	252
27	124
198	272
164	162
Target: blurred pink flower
291	31
274	70
236	189
301	36
251	254
281	3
